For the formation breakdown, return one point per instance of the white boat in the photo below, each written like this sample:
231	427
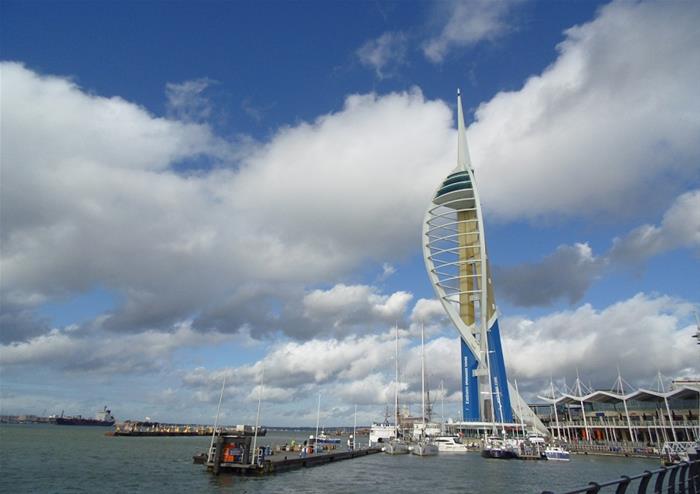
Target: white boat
381	434
449	444
674	452
557	453
535	438
425	448
324	438
396	447
429	429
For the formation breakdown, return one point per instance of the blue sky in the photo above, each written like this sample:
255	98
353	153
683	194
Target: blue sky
199	190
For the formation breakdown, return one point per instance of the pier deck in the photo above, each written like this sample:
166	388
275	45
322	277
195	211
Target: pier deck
282	462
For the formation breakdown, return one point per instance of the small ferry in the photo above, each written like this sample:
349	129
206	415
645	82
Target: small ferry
324	438
556	453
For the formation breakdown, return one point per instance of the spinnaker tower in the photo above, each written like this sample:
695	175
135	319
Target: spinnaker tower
454	249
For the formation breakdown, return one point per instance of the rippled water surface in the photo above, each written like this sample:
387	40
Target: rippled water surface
51	458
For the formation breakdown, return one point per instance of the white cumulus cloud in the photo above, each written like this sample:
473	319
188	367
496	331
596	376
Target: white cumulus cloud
638	334
613	117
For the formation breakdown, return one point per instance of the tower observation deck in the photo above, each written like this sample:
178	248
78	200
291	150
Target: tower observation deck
454	249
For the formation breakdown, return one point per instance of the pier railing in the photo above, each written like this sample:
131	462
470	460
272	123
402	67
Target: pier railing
683	478
613	448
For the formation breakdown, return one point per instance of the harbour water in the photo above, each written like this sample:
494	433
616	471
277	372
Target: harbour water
57	459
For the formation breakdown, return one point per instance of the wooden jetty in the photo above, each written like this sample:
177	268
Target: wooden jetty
231	454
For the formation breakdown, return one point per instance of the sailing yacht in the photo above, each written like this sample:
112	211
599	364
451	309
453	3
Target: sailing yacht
397	446
497	447
425	446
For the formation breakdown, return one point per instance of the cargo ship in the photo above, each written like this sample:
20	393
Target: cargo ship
103	418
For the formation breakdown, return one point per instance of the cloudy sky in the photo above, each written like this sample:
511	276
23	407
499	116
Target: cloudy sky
197	191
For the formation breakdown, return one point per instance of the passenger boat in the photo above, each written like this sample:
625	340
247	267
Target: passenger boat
557	453
324	438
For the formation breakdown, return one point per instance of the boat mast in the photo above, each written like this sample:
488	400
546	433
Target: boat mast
442	399
500	410
354	430
396	386
216	420
422	371
318	421
257	415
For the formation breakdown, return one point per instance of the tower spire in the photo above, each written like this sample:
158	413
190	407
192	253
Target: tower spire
463	160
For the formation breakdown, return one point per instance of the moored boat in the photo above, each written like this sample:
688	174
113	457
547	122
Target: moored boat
324	438
425	448
495	447
557	453
381	434
396	447
449	444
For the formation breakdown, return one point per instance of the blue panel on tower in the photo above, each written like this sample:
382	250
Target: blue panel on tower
470	385
498	376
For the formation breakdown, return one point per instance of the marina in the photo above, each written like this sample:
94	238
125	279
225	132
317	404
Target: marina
158	464
292	255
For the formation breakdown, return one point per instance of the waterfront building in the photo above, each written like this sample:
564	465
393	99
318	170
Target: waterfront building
637	418
455	254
